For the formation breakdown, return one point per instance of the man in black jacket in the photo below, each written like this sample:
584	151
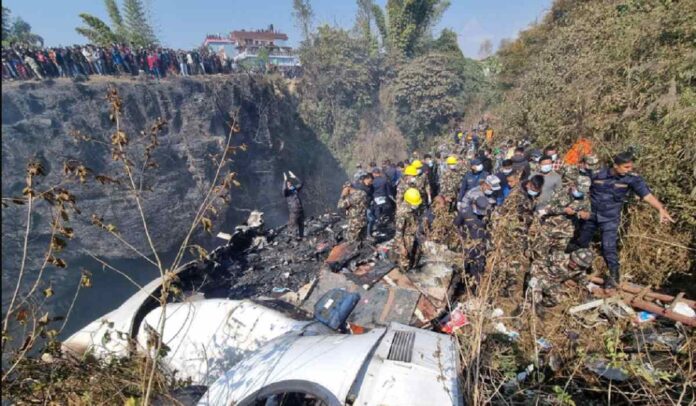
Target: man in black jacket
291	191
381	195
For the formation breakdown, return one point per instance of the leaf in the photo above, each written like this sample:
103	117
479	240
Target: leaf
57	244
85	280
18	200
103	179
202	253
27	191
131	401
43	320
110	228
68	232
207	224
56	262
48	292
35	169
22	316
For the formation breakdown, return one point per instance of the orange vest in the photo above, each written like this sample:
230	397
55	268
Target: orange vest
489	136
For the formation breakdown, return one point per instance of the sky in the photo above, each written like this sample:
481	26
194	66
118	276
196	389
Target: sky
184	23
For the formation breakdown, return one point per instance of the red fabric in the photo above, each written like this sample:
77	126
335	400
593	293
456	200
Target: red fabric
151	61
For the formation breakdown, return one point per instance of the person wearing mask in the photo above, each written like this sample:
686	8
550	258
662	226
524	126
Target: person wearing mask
506	168
291	192
355	201
432	174
552	181
488	188
450	181
552	151
471	224
534	158
382	192
608	192
409	231
509	229
473	178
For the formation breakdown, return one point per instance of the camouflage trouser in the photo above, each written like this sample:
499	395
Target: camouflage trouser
412	256
356	229
542	288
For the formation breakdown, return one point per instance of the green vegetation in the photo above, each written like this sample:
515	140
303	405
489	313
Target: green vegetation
623	74
17	31
135	29
403	87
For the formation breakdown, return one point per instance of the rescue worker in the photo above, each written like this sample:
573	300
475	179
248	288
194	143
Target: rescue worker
432	174
422	183
450	180
355	201
471	223
473	178
408	229
534	157
608	191
359	172
488	188
439	224
547	282
381	196
291	192
509	230
407	181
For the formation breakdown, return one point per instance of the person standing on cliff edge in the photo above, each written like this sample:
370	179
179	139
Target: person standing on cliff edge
291	192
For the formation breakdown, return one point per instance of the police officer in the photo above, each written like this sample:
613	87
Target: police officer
607	195
473	178
471	223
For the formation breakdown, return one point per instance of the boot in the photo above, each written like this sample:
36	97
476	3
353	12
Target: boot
612	279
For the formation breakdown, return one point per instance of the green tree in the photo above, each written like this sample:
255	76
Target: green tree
338	85
363	24
406	23
426	94
140	31
5	23
96	31
118	26
20	33
304	14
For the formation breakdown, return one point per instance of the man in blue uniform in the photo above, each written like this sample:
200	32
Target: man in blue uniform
607	195
473	178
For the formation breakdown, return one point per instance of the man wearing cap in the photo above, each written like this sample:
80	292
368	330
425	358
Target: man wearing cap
547	282
609	189
470	222
488	188
473	178
359	172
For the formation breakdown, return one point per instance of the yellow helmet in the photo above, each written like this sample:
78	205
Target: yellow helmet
417	164
451	160
411	171
413	197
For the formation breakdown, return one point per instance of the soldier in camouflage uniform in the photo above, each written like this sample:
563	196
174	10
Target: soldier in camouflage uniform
407	181
422	183
354	200
439	227
408	229
450	181
509	227
546	282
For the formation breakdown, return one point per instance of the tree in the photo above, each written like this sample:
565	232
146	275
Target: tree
20	33
406	23
5	23
485	49
116	20
304	14
97	32
363	24
140	32
426	94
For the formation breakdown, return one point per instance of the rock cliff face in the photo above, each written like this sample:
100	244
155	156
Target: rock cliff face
37	119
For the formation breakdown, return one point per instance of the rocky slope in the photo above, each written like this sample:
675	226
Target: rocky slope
37	119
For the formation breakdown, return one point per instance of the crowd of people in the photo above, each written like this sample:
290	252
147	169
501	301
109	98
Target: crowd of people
525	213
22	63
